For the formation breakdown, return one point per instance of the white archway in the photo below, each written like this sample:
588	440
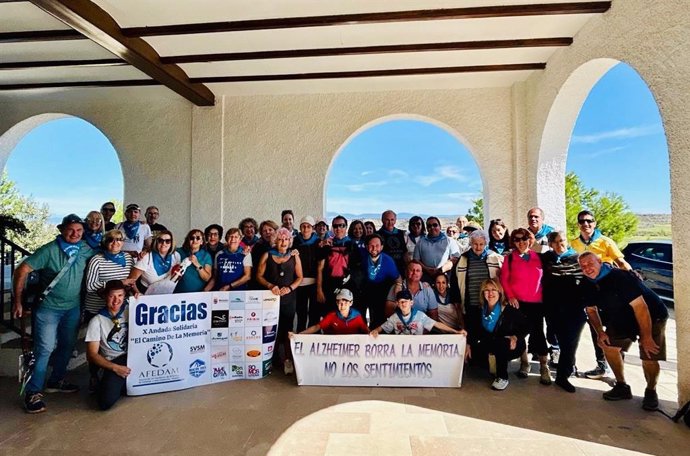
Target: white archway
415	117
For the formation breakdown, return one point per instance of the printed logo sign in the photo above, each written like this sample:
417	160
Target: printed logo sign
220	373
236	318
270	317
219	356
195	349
269	333
252	335
197	368
160	354
219	319
219	336
252	318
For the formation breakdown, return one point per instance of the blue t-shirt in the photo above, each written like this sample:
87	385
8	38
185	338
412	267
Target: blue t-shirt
230	267
191	281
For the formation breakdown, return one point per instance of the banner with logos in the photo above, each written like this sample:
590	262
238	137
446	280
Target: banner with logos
179	341
361	360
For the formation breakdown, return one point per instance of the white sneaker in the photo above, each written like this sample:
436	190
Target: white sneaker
492	364
500	384
288	367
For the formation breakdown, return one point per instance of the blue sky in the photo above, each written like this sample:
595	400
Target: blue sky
411	166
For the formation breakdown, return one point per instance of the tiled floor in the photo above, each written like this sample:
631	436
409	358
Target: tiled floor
274	416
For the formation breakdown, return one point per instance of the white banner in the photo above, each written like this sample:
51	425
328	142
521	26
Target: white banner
361	360
180	341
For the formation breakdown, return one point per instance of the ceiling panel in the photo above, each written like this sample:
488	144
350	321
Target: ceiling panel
23	16
36	75
52	50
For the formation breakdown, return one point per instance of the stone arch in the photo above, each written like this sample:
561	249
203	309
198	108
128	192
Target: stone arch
447	128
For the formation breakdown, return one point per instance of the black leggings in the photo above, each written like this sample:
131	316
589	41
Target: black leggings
534	311
500	347
307	307
111	386
568	330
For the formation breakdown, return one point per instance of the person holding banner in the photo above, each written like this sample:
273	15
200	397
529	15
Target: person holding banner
345	320
504	330
106	344
281	272
157	265
232	267
199	271
410	321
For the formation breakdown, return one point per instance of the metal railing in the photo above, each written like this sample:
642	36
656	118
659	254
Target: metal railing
11	256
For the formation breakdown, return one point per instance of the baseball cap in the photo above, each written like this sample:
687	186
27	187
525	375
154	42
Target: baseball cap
472	226
307	219
403	294
344	294
67	219
133	207
320	220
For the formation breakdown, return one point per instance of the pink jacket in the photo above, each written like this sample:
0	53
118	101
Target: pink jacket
522	279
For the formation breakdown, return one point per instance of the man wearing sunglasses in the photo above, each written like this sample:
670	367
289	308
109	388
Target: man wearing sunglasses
591	240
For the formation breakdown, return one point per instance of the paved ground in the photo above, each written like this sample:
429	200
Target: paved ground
274	416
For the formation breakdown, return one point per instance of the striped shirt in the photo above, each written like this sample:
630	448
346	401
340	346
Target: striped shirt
477	272
99	271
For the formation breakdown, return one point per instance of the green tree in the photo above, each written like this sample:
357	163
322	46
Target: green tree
33	215
476	212
613	215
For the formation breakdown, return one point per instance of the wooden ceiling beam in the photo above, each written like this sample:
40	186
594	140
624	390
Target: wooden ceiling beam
94	23
76	84
62	63
371	73
362	50
40	35
542	9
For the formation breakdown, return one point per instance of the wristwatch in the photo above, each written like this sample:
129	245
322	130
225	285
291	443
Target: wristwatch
199	268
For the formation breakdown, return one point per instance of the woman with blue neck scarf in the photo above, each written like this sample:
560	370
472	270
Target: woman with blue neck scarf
562	300
159	263
111	263
94	229
503	331
437	252
499	237
474	267
307	243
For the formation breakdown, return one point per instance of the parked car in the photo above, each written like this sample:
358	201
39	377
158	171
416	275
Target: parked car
653	260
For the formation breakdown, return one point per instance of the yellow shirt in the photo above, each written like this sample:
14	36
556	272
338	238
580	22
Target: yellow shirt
602	247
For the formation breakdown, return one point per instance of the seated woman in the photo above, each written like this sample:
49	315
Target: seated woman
160	266
449	312
94	229
232	267
345	320
281	272
356	233
410	321
503	330
106	345
499	237
199	271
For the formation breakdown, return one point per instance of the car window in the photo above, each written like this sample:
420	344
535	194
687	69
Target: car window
656	252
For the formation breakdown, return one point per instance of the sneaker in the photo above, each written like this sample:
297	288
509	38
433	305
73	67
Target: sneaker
598	372
650	401
61	387
492	364
565	384
288	367
33	402
524	371
619	392
500	384
544	375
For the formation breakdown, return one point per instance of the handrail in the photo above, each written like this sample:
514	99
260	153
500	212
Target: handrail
10	254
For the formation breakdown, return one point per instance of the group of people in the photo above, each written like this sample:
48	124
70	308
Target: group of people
496	287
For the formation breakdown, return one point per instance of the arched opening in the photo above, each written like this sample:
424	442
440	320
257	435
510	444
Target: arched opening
63	162
605	128
411	164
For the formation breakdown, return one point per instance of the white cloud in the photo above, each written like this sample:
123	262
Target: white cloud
439	205
366	173
364	186
600	152
441	173
398	173
621	133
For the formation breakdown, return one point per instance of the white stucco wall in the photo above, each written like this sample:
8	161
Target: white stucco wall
652	38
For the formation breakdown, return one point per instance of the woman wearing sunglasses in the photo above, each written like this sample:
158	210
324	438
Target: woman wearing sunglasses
110	264
158	264
521	276
199	271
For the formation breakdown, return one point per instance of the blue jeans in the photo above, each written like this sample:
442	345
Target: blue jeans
54	330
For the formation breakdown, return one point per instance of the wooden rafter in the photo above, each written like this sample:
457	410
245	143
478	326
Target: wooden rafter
62	63
94	23
542	9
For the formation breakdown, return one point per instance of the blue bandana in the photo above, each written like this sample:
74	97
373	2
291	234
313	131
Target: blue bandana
603	272
525	256
342	241
373	269
543	231
490	320
596	235
131	229
434	239
275	252
118	258
162	265
250	242
106	313
499	247
567	253
441	300
309	241
414	239
405	323
474	256
67	247
93	238
351	316
385	231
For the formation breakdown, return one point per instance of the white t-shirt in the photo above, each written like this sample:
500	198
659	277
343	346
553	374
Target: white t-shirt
136	244
149	274
112	343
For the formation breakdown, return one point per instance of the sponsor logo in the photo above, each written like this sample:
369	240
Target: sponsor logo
220	372
197	349
237	371
253	298
219	355
219	319
252	318
253	371
236	298
236	336
270	317
271	299
236	318
160	354
252	335
219	336
197	368
269	333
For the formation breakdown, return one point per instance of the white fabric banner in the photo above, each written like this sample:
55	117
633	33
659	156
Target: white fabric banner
388	360
179	341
